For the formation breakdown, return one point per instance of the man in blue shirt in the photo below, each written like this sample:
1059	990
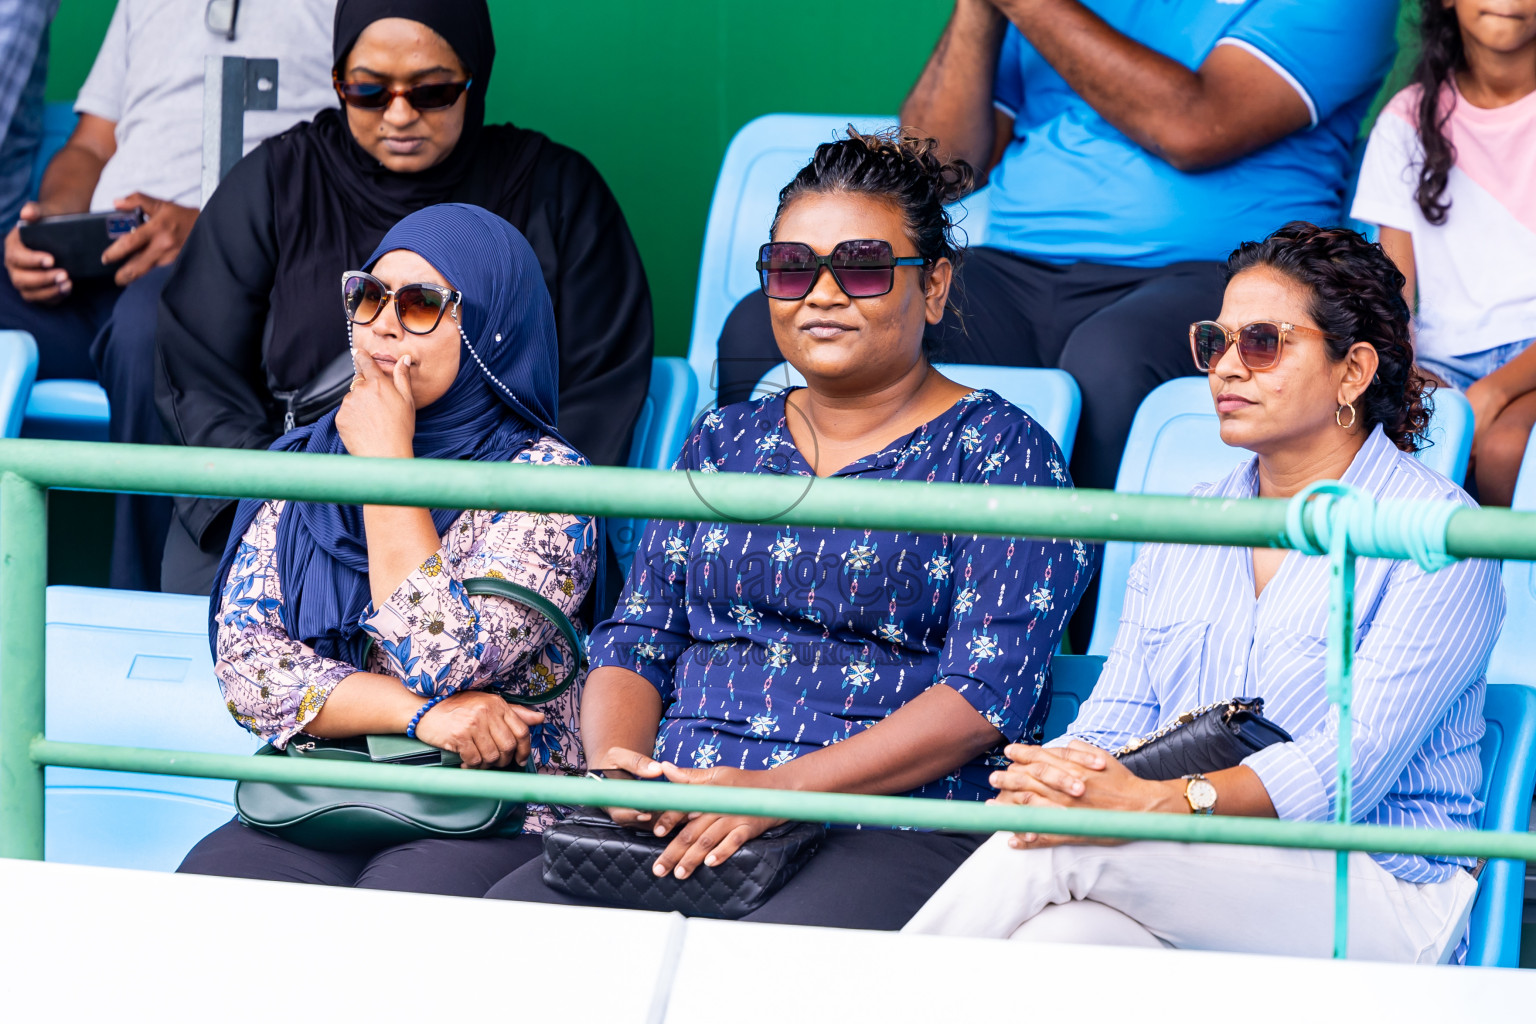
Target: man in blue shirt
1132	144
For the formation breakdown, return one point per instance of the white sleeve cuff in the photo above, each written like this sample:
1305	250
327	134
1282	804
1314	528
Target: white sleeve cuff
1278	69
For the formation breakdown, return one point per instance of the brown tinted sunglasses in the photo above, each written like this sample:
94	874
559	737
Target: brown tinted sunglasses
1258	344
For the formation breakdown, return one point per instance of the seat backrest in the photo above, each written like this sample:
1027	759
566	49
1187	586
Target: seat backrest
133	669
1449	436
1050	397
762	158
67	410
18	368
1509	778
1072	679
58	124
660	430
1515	654
1175	443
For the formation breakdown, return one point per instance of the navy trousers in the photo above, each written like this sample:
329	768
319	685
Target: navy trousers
450	867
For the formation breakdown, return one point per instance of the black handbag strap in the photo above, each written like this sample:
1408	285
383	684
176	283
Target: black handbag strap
491	586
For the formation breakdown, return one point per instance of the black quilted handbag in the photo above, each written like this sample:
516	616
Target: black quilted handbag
592	858
1205	740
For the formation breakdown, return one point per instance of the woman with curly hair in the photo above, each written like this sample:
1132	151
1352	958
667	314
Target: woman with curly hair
1311	369
831	659
1450	175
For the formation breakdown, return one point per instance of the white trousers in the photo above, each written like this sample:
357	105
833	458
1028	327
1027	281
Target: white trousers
1240	899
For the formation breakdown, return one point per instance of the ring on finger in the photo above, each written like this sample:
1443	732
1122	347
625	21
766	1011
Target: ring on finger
355	382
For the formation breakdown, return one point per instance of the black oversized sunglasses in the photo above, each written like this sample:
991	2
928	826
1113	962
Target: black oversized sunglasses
373	96
419	306
862	267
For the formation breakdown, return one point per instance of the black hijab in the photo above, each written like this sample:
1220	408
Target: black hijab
333	202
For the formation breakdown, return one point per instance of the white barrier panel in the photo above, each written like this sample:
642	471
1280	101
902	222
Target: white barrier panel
89	943
106	944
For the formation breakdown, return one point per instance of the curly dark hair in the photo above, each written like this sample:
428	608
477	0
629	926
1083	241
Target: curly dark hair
1357	295
1440	56
900	167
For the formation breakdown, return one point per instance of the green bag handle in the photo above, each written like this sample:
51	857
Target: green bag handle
490	586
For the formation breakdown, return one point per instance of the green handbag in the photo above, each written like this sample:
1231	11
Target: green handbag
359	820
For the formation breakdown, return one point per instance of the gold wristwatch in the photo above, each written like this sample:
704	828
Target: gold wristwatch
1200	794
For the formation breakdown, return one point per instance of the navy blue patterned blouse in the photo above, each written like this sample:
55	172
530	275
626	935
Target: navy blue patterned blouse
769	642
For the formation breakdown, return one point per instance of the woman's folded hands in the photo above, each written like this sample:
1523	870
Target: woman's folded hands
1077	775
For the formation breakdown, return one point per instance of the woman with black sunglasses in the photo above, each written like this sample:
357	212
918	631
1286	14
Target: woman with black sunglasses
248	321
831	659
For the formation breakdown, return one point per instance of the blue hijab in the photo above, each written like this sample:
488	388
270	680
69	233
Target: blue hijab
502	400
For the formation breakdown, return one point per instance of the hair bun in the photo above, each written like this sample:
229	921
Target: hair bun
897	165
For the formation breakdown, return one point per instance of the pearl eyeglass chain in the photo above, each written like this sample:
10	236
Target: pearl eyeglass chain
465	338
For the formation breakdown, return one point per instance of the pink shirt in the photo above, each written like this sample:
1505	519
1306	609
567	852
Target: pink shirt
1477	271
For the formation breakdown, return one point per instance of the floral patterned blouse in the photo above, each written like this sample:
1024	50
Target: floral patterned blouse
430	634
767	642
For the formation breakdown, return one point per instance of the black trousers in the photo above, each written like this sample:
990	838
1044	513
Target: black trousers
1119	331
450	867
860	878
106	333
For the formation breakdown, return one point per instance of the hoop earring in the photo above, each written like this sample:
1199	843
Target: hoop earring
1338	415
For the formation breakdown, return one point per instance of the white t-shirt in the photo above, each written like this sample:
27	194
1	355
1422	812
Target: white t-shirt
1476	272
148	77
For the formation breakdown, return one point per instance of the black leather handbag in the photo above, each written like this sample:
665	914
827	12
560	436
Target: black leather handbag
1205	740
593	858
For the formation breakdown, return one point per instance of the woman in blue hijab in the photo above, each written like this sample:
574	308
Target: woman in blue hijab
337	621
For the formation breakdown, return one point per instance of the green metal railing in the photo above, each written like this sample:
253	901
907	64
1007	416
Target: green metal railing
1344	527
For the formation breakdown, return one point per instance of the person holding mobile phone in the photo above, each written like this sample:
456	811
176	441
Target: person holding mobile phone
138	146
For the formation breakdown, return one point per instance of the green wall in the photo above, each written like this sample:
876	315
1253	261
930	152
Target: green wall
653	91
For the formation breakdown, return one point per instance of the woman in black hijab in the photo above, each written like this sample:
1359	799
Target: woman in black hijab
247	321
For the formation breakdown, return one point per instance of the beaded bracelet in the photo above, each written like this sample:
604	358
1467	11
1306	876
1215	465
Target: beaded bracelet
410	730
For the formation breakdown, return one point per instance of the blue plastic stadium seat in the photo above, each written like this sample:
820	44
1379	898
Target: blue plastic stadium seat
1072	679
18	366
762	158
66	410
1509	783
1508	755
1514	659
660	431
1050	397
1175	443
133	669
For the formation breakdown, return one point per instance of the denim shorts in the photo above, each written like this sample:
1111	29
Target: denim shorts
1462	371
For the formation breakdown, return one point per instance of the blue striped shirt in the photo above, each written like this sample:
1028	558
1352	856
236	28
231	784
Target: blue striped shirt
1192	634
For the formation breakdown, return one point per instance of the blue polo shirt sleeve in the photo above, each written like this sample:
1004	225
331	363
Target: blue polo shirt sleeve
1008	87
1330	53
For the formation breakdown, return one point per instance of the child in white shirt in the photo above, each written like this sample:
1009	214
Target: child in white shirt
1450	176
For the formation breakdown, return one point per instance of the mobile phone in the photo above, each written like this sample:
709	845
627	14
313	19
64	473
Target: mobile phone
77	240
